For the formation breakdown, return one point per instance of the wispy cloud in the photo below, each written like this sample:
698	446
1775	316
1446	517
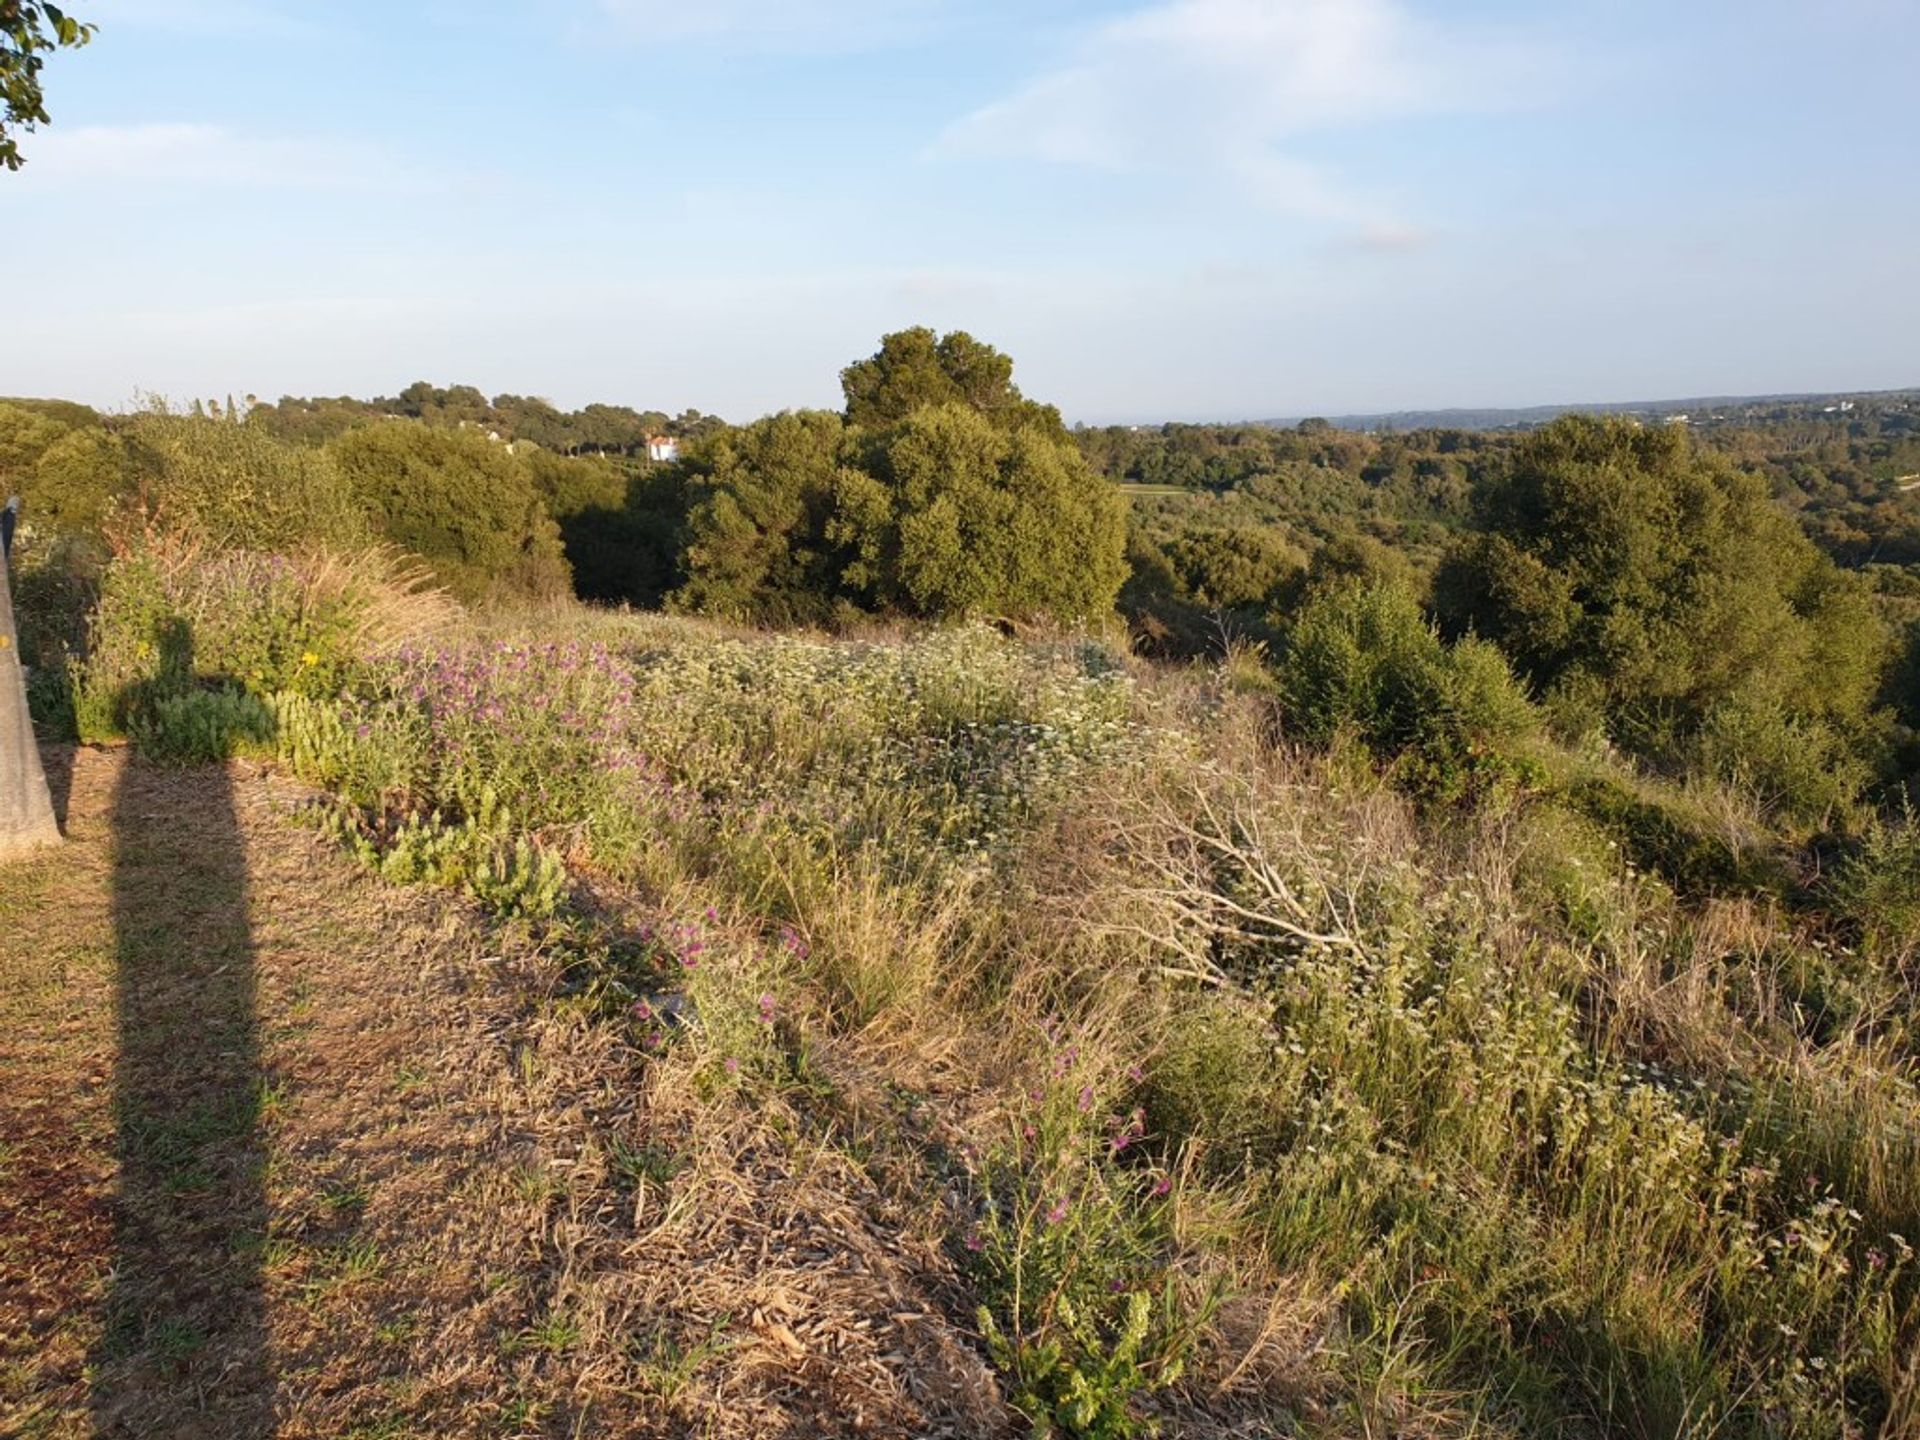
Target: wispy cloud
1220	88
775	24
184	153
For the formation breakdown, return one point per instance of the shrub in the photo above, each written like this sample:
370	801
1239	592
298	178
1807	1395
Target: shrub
480	854
1069	1247
1795	768
1664	837
265	623
1362	659
760	502
464	504
1877	891
1233	569
1621	560
76	484
1214	1078
236	486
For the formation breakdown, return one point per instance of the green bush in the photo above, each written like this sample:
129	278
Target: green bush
1213	1079
1623	562
1241	568
760	503
69	476
236	486
172	614
1664	838
463	503
1792	768
1877	891
1362	660
1068	1249
481	855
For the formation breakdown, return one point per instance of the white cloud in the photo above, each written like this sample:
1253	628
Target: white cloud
183	153
774	24
1218	87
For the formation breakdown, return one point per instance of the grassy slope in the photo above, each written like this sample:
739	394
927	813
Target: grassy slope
1466	1127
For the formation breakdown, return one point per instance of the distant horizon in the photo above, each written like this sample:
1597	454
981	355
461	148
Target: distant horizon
1276	418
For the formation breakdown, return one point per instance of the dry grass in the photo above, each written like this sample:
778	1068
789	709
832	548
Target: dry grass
477	1217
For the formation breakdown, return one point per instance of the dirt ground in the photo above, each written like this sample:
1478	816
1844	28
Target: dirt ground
288	1151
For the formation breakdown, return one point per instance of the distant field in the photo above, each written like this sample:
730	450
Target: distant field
1126	489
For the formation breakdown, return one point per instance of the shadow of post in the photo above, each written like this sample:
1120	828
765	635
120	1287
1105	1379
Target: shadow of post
184	1348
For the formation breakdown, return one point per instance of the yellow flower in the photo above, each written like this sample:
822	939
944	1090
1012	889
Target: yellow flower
309	658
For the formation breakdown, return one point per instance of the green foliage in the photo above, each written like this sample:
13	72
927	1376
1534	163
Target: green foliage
79	482
173	617
952	516
1622	563
1082	1378
1789	767
1235	569
1877	891
1211	1079
235	487
1363	660
1068	1251
1665	836
611	551
29	31
199	725
760	504
479	854
459	501
916	370
25	436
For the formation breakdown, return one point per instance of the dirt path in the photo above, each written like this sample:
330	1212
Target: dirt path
287	1151
249	1134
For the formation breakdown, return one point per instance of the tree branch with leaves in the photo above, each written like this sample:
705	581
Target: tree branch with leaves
30	30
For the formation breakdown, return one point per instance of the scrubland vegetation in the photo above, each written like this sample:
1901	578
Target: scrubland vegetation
1446	967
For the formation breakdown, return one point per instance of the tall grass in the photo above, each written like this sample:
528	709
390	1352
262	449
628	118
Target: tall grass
1494	1131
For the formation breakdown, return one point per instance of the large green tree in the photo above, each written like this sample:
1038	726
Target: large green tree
29	31
916	368
1624	568
951	515
760	502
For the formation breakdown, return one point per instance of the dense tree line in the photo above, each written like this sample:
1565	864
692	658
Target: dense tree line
616	430
1727	600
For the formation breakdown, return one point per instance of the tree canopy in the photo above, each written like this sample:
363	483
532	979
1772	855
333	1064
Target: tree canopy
1624	566
951	515
461	502
916	368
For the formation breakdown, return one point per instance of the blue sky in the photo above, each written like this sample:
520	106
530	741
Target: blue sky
1184	209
